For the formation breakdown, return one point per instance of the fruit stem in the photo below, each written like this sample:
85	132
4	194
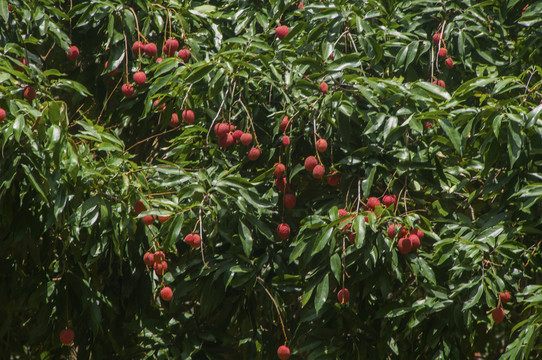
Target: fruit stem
184	100
106	101
250	120
217	115
201	232
126	56
261	282
314	130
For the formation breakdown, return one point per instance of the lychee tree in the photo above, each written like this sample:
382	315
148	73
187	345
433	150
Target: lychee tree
263	179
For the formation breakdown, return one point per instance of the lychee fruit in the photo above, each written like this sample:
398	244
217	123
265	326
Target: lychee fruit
283	352
139	207
372	203
391	230
184	54
221	129
163	219
170	47
420	234
498	315
404	245
442	52
2	114
196	241
174	122
188	116
140	78
321	145
246	138
289	201
449	63
323	87
29	93
436	38
389	200
161	107
343	296
442	84
414	242
285	140
189	239
237	135
137	47
73	53
226	141
505	297
150	49
333	179
318	172
166	294
284	124
66	336
300	6
283	230
159	256
254	154
282	31
160	268
127	90
279	170
342	213
282	184
148	259
310	163
159	60
148	220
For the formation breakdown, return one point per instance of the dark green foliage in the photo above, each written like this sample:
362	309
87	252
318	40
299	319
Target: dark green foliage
464	163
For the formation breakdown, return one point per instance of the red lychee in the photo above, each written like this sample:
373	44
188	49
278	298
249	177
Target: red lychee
318	172
66	336
284	124
414	242
226	141
310	163
283	352
196	241
300	6
449	63
188	116
436	38
184	54
505	297
73	53
139	207
279	170
170	47
140	78
159	256
333	179
2	114
343	296
163	219
391	230
498	315
283	230
342	213
282	184
418	233
150	49
285	140
148	220
404	245
174	122
29	93
127	90
389	200
148	259
321	145
442	84
372	203
323	87
254	154
138	47
246	138
189	239
221	129
166	294
282	31
289	201
442	52
160	268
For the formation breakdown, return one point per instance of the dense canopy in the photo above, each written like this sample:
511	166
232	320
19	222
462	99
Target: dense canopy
270	179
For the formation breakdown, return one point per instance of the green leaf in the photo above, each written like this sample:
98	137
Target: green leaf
321	294
476	298
246	238
359	228
336	267
322	240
